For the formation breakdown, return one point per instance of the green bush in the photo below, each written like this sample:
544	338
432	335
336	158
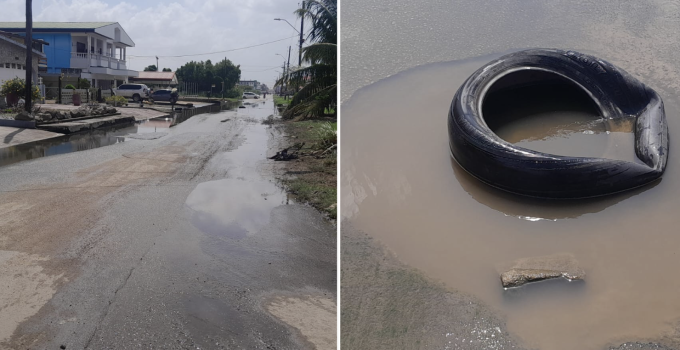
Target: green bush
18	86
69	86
83	83
116	100
236	92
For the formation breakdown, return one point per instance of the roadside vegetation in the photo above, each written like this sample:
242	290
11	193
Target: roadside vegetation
309	116
315	83
315	180
280	101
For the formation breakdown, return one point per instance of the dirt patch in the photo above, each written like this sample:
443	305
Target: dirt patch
41	247
26	287
313	316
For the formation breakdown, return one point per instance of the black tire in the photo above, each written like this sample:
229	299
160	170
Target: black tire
501	164
136	97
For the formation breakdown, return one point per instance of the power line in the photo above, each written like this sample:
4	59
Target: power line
264	70
210	53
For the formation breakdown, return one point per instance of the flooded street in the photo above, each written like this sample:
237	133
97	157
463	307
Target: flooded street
401	187
183	239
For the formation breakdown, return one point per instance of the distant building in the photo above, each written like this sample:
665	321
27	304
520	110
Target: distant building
13	57
90	50
252	83
156	80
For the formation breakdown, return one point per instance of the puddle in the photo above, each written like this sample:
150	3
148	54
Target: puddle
234	208
240	205
65	144
400	185
144	130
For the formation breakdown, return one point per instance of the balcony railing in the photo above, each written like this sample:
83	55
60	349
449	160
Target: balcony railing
79	60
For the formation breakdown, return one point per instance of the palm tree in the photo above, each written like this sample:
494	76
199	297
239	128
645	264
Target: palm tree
318	81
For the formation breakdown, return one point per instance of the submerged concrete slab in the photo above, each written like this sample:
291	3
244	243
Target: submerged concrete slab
10	136
540	268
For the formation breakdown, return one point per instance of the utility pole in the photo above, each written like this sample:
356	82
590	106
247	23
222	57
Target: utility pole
302	30
284	77
29	55
157	69
288	69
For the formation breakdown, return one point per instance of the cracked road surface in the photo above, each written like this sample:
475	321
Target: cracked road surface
184	241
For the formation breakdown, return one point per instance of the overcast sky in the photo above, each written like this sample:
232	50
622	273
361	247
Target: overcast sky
181	27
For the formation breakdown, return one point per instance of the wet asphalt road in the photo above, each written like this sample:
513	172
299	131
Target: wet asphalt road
166	243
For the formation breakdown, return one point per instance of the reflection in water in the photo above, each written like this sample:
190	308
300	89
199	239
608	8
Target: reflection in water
65	144
401	186
240	205
232	208
537	209
83	141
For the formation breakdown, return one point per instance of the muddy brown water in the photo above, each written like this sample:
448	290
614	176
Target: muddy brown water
400	184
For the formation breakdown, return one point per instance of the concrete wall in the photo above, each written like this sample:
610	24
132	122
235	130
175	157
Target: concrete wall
11	53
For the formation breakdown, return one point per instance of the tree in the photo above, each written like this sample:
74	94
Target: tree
151	68
318	81
167	70
205	74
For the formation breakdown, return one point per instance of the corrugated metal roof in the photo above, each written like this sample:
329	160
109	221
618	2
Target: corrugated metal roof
155	75
55	25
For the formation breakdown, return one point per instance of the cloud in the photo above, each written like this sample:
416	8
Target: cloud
171	28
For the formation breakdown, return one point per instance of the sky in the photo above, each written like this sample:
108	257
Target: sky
185	27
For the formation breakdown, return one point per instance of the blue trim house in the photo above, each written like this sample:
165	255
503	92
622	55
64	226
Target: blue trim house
91	50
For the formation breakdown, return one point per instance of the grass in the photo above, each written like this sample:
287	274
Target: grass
315	192
279	100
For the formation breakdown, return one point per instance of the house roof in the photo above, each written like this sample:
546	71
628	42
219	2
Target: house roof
106	29
5	38
155	76
56	25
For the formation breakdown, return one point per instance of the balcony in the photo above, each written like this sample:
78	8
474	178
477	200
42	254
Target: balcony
80	60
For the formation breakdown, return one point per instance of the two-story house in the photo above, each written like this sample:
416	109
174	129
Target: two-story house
91	50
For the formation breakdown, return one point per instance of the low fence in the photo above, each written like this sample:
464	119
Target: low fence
67	96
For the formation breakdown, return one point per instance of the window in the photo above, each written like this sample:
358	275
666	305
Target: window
80	47
14	65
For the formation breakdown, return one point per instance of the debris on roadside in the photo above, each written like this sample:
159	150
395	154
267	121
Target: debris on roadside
284	155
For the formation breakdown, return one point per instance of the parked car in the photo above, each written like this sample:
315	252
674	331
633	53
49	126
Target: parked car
250	95
164	95
136	92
